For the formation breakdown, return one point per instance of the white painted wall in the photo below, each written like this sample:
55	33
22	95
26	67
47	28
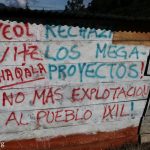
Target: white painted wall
61	80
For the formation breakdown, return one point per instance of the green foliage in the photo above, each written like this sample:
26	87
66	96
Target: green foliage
100	5
107	6
139	8
74	5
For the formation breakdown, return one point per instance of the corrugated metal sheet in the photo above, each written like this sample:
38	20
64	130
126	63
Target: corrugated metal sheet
108	22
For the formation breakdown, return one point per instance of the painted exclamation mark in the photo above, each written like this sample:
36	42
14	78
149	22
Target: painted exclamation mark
132	106
142	69
132	110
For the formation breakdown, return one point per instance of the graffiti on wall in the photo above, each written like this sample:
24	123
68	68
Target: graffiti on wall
61	80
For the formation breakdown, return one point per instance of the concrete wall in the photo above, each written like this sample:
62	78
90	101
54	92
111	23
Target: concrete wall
67	87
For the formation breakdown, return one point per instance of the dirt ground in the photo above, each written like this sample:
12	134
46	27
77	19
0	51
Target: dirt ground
134	147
